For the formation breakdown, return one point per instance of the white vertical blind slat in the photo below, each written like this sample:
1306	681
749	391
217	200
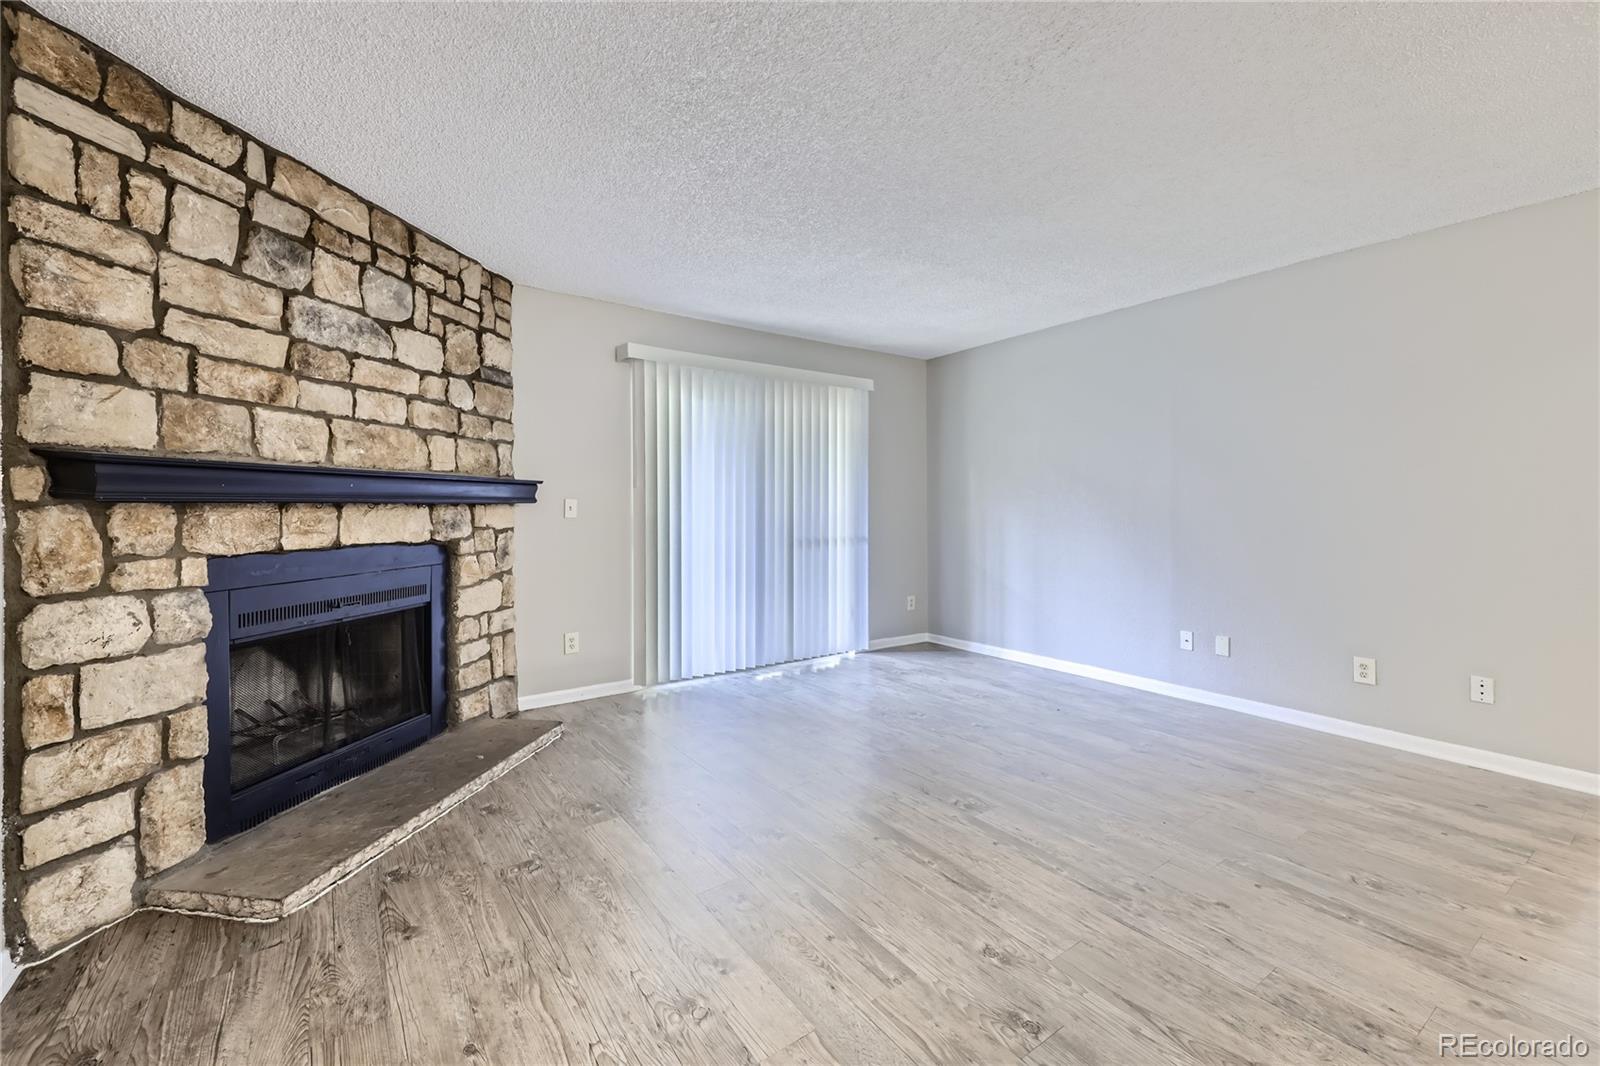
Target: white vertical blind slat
645	392
673	440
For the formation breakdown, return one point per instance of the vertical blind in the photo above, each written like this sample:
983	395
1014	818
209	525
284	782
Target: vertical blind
754	501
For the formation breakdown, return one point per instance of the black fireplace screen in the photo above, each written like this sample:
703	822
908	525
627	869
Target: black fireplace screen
304	694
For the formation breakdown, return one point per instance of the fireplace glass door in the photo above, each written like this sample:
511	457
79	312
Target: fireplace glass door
304	694
322	665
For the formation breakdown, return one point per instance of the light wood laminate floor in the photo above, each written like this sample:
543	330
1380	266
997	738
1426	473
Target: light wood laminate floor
914	856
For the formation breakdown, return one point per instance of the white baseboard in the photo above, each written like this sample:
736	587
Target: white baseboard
1512	765
898	642
575	695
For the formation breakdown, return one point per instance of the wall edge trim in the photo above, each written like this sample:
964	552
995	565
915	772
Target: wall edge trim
899	642
556	697
1496	762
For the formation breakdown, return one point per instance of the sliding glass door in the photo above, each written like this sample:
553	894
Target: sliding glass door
753	500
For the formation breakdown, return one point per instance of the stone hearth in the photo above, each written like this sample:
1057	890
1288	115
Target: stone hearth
289	861
175	287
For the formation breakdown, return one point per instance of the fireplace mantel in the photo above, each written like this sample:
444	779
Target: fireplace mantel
124	477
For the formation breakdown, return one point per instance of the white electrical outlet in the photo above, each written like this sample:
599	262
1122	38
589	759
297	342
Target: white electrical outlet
911	603
1482	689
1186	639
1366	671
1224	646
569	644
569	508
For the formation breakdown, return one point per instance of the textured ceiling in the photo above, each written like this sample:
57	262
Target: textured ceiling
915	178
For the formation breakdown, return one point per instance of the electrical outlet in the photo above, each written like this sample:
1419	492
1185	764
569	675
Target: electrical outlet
1366	671
569	644
911	603
569	508
1482	689
1186	639
1224	646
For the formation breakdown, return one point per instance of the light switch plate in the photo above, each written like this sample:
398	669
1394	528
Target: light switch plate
1224	646
569	508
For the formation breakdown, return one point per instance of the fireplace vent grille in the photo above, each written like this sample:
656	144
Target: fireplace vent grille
307	608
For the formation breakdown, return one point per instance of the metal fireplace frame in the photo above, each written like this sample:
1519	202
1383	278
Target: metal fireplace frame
256	596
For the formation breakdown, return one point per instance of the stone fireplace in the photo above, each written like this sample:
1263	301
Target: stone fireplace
178	291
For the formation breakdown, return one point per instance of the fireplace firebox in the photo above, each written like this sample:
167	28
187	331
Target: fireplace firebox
322	665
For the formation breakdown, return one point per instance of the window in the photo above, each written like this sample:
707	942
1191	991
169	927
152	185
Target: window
752	490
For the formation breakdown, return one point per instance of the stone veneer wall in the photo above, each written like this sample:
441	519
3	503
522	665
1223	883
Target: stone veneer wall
174	287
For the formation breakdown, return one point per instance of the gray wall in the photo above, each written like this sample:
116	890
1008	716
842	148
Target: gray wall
574	430
1387	452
